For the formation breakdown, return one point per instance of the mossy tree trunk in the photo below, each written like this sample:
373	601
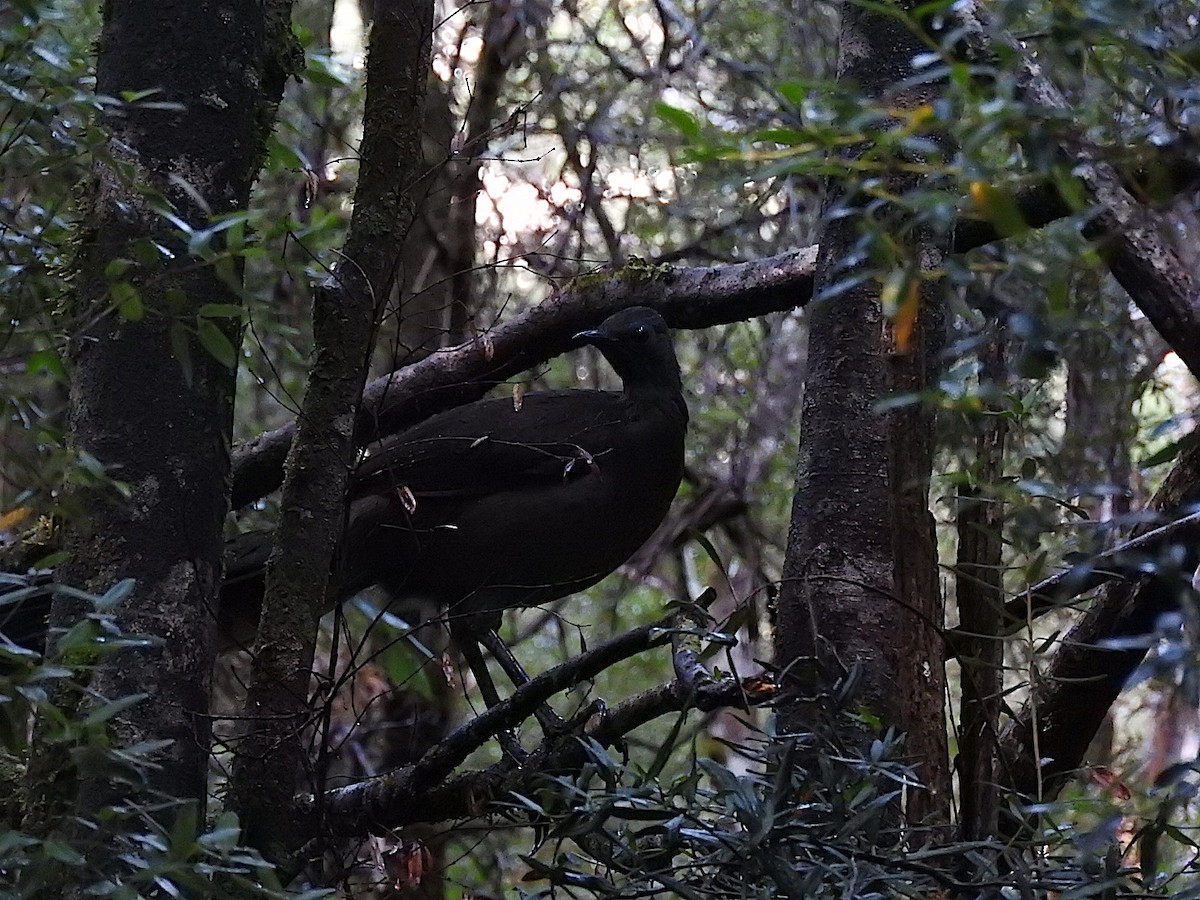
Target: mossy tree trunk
860	599
189	91
273	760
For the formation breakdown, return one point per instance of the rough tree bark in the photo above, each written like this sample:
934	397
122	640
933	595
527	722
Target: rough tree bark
979	593
153	375
860	585
345	311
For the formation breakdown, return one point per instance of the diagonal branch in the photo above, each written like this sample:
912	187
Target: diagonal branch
364	802
1131	236
319	461
1125	562
423	793
1048	739
687	297
1132	239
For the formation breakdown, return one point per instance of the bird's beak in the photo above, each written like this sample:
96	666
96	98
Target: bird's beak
591	336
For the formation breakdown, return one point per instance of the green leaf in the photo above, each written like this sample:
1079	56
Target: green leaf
148	252
135	96
320	70
128	300
115	708
63	853
999	207
221	311
702	539
1172	450
182	351
795	92
183	831
115	595
14	840
216	342
224	834
281	156
117	267
682	120
666	747
787	136
1069	188
47	361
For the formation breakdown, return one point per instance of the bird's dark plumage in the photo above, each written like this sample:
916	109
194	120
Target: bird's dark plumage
505	503
500	504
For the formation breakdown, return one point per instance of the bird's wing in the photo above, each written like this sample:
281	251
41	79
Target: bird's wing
246	554
492	446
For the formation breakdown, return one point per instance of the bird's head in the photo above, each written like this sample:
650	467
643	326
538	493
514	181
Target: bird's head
637	344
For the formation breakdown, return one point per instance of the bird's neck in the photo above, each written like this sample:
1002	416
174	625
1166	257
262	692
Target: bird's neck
659	392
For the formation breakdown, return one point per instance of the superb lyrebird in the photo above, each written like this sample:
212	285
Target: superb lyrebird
500	504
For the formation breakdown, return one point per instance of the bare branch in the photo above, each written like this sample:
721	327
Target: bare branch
1083	679
1054	592
365	800
392	802
687	298
686	643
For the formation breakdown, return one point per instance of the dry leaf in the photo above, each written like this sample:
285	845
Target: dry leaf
760	688
906	316
14	517
409	864
1106	778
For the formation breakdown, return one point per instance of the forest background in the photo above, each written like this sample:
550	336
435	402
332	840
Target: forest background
948	251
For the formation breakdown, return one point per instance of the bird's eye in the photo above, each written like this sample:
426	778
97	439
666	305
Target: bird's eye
641	333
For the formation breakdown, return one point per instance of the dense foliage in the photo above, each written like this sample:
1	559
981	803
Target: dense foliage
560	140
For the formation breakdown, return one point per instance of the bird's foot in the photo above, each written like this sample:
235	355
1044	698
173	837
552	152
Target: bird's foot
510	744
552	723
577	722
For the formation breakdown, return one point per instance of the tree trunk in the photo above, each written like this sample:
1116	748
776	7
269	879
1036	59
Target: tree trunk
979	593
153	376
860	591
273	757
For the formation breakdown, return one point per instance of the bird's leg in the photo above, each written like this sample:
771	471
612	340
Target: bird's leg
550	721
468	642
596	708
